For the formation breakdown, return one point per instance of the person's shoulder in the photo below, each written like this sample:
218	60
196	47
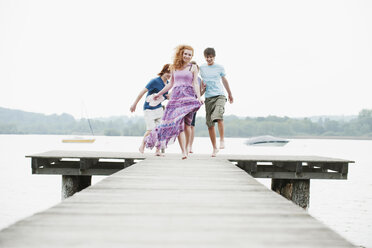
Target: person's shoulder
204	67
153	81
218	65
156	80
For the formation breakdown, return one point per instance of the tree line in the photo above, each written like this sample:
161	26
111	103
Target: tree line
21	122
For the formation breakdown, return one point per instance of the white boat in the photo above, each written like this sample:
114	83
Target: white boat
266	140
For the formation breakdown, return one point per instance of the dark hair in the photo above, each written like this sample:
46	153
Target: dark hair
164	70
209	51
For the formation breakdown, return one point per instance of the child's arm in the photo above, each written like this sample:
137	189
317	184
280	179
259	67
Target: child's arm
196	84
203	87
227	87
140	95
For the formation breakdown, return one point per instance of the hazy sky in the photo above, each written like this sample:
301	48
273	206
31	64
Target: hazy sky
293	58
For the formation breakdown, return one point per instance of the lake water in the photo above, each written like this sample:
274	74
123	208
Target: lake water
343	205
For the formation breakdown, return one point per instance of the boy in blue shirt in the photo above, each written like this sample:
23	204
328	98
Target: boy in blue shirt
212	75
152	114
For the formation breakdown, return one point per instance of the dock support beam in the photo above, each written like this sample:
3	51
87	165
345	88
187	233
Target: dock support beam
296	190
73	184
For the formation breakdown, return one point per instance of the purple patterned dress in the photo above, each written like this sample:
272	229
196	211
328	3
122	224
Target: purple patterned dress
178	112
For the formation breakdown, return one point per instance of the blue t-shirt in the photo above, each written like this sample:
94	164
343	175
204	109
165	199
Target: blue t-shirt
154	86
211	75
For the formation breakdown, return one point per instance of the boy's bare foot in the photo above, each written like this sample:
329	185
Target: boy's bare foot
222	144
214	153
141	149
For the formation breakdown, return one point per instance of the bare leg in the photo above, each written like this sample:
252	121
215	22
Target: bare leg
142	146
192	134
182	142
187	136
212	136
222	134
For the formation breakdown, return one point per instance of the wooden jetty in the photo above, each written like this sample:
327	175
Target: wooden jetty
290	174
169	202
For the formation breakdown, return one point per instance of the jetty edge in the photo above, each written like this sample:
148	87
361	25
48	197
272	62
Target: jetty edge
167	202
290	175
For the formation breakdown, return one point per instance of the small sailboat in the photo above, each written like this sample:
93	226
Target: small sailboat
78	140
266	140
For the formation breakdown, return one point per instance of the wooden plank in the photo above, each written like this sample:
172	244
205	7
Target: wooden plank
304	175
250	163
86	163
230	157
168	202
339	167
87	154
77	172
83	167
283	158
128	162
290	166
248	166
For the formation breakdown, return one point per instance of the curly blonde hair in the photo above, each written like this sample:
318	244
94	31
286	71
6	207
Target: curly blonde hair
178	56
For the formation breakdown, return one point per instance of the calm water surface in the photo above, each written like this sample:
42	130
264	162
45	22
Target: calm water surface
343	205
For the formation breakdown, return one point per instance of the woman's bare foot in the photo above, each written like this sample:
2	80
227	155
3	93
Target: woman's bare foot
190	150
222	144
214	153
159	154
184	156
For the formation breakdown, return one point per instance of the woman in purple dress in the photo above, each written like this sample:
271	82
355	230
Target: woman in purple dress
184	102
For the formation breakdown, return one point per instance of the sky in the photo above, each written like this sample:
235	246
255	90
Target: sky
92	58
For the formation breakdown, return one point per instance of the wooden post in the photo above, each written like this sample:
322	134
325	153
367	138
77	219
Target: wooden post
73	184
296	190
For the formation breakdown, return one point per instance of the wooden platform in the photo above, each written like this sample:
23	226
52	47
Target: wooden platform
259	166
166	202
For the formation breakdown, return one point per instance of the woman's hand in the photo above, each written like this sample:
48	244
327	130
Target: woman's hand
201	101
156	96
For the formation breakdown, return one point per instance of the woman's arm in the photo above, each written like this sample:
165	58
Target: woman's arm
165	89
140	95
